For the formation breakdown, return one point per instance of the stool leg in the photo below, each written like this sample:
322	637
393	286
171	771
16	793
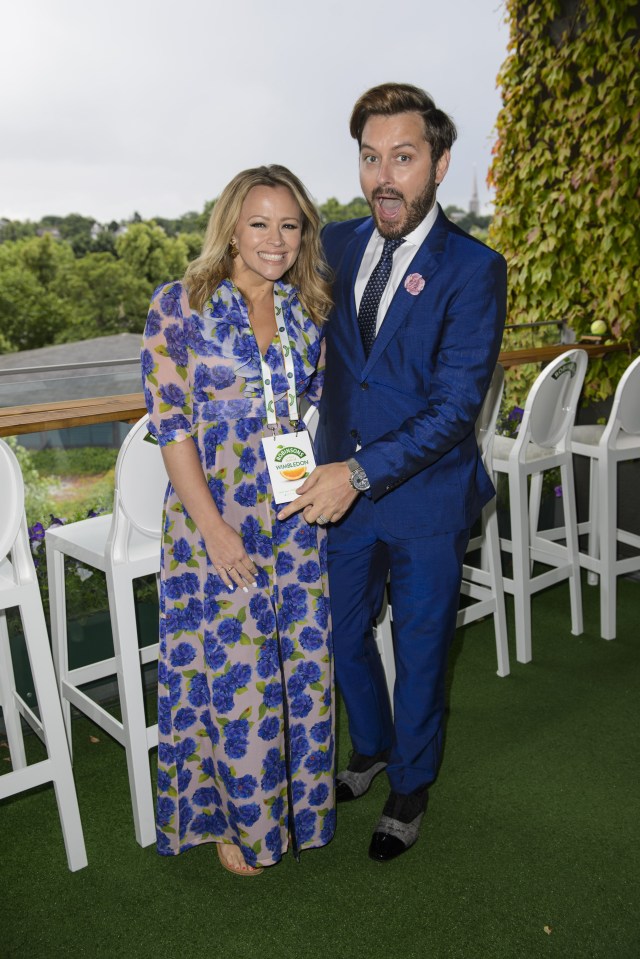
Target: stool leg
518	503
594	518
10	714
607	478
573	557
59	640
491	542
125	642
55	738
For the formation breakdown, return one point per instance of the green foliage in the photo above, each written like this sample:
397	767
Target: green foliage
31	312
333	210
38	501
566	173
102	295
83	461
151	254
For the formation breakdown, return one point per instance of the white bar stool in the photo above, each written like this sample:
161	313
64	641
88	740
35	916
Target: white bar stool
19	587
124	545
543	443
607	446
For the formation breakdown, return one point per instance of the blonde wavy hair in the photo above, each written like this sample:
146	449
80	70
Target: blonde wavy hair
310	274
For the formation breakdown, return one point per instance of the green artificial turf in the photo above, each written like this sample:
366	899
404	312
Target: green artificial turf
529	847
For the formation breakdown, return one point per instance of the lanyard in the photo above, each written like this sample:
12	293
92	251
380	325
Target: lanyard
269	399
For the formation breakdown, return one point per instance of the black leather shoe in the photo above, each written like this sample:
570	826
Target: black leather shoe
355	780
399	825
384	847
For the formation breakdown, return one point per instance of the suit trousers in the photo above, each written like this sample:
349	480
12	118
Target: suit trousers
425	574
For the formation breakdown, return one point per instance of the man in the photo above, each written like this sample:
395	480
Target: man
411	347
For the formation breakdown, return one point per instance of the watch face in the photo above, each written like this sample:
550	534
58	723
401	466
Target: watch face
359	480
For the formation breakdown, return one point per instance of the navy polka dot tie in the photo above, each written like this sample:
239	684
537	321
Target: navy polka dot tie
368	312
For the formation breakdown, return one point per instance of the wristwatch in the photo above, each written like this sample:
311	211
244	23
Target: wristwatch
358	478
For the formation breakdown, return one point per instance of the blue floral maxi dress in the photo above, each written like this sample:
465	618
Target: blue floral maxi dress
245	714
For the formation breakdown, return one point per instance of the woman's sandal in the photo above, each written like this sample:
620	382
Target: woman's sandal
248	872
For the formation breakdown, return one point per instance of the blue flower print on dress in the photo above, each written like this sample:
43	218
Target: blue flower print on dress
305	822
166	807
321	611
298	789
175	346
262	612
318	794
274	770
185	815
273	842
184	719
248	461
214	652
236	741
268	659
153	324
206	796
294	605
198	690
207	824
328	826
242	787
320	732
230	631
147	364
182	551
172	395
245	815
311	638
224	664
301	706
272	697
309	572
246	494
214	437
269	728
285	563
182	655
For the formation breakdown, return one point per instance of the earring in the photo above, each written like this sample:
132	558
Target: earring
233	249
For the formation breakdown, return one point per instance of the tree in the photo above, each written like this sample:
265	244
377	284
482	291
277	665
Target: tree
566	172
333	210
102	296
151	254
31	312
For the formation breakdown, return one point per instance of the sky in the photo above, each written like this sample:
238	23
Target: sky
152	106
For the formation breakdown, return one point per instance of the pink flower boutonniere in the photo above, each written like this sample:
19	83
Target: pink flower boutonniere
414	284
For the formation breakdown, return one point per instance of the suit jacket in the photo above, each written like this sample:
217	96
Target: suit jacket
412	405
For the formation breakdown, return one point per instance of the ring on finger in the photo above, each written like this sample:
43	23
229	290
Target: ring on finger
322	520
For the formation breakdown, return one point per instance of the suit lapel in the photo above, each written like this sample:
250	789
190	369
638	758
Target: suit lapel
426	262
346	306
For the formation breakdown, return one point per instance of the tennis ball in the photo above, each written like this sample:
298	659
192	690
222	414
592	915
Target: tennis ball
598	327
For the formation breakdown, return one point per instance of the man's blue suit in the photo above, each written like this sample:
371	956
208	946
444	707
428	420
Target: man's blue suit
407	413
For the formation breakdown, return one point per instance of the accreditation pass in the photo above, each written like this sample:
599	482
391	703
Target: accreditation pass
290	460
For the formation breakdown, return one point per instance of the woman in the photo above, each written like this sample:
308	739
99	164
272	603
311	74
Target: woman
245	681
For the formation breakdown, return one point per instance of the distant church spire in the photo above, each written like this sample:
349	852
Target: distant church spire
474	202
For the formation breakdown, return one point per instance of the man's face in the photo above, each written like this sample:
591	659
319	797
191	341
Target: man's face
397	176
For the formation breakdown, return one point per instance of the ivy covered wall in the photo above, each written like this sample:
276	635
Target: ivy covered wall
566	172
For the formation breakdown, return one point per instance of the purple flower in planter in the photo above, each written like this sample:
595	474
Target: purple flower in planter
557	490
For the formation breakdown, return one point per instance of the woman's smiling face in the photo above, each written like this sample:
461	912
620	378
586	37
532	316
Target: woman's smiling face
267	235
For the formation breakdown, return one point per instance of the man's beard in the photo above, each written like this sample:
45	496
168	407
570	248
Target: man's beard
415	211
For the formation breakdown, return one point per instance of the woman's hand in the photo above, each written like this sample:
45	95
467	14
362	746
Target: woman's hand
229	557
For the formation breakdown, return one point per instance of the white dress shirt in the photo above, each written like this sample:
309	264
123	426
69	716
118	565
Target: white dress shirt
401	260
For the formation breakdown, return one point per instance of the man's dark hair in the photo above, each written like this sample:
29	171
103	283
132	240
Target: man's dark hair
388	99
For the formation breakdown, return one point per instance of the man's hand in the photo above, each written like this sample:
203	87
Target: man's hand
327	493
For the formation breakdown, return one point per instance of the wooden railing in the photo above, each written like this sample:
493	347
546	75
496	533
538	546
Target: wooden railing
129	407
